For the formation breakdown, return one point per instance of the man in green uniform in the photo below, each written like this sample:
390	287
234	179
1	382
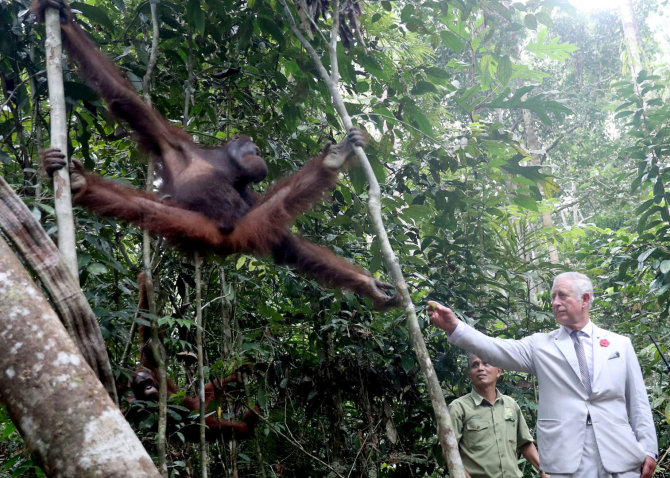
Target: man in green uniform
490	428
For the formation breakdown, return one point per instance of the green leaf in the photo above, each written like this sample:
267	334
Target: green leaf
262	398
407	362
469	94
544	18
644	206
440	77
623	114
665	267
415	25
195	16
525	202
95	268
452	41
358	180
538	104
417	212
245	33
643	257
422	122
270	26
120	4
530	21
371	65
552	50
95	14
423	87
505	70
407	12
437	72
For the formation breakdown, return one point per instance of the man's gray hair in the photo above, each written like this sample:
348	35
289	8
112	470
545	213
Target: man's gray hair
581	284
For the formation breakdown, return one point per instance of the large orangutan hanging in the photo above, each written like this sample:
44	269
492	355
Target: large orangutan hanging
209	207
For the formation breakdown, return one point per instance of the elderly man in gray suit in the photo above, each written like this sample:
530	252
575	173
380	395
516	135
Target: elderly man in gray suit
594	418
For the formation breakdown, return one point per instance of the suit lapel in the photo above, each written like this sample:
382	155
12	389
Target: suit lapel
567	348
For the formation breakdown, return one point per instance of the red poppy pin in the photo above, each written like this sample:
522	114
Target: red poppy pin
604	343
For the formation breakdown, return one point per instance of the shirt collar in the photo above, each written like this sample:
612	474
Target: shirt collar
586	330
478	399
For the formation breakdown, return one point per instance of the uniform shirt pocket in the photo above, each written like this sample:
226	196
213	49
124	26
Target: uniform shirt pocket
478	435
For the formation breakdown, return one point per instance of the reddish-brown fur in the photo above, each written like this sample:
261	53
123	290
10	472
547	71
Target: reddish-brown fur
218	214
144	384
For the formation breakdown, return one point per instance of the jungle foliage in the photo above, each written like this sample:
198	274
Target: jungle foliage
442	87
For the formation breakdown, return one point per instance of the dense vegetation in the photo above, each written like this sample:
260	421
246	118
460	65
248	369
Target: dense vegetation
511	140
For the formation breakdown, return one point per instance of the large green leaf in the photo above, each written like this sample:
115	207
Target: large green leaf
423	87
538	104
452	41
552	49
195	16
96	14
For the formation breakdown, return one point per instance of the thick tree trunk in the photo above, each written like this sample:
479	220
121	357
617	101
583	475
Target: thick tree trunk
64	414
38	251
632	36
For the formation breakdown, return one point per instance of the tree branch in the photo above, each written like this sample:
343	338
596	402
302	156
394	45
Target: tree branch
61	178
444	428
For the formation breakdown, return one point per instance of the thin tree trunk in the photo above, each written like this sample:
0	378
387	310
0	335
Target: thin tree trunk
188	87
445	431
369	446
226	332
632	36
61	178
153	54
228	346
157	348
201	364
533	144
65	416
37	124
204	460
335	412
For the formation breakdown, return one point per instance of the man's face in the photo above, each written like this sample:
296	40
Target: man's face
569	309
481	373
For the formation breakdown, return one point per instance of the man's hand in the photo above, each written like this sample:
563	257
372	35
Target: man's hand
544	475
648	467
442	316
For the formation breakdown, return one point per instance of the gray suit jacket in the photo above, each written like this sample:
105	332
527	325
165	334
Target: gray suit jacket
618	405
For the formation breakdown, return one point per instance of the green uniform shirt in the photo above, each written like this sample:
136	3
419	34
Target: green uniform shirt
489	436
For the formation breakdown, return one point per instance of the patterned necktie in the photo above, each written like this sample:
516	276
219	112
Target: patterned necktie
581	358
